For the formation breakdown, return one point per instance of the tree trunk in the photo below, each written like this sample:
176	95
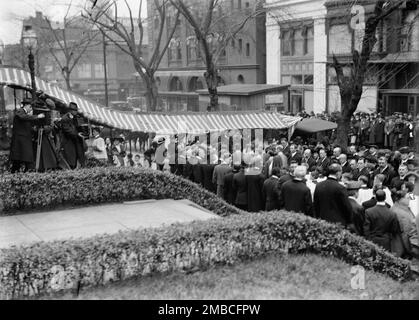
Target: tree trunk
344	121
67	80
152	95
212	82
342	132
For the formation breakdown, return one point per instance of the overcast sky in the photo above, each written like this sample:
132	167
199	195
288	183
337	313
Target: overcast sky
12	12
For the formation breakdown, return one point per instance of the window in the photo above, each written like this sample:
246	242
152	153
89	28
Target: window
297	79
286	80
239	4
308	79
179	53
240	45
286	43
84	70
247	49
298	43
340	39
240	79
308	34
99	71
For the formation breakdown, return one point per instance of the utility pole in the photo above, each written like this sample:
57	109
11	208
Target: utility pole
105	69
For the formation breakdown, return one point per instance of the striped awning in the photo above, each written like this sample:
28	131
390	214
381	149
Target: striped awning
158	123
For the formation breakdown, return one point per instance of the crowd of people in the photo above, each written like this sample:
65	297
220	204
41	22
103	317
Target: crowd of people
373	192
390	132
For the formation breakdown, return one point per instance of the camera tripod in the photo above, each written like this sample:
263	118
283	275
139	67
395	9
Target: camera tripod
61	162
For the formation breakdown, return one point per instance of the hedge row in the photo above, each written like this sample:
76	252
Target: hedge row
47	191
45	268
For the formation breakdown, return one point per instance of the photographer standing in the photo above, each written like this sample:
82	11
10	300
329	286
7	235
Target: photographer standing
73	146
21	151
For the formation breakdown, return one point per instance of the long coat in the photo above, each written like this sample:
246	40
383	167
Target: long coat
72	145
331	202
270	193
409	234
380	226
296	196
229	193
254	192
207	172
379	132
22	147
240	188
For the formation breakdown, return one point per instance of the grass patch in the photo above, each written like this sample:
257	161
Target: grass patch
272	277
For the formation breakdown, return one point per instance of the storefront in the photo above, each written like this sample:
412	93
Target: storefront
401	100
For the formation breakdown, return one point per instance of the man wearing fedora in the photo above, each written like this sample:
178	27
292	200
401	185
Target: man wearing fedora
73	145
21	151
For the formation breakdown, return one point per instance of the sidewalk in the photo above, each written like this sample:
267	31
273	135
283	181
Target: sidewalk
90	221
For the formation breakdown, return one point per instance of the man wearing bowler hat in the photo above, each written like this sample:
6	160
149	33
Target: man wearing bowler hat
21	151
73	145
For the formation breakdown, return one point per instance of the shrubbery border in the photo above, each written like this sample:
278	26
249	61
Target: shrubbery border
44	268
48	191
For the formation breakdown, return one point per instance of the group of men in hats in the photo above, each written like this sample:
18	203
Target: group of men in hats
46	141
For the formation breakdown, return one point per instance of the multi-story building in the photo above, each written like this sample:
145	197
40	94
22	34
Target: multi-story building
182	69
303	36
88	76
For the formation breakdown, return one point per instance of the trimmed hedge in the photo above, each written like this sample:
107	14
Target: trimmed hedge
49	191
45	268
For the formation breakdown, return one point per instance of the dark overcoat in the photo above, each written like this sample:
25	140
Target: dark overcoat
72	145
296	196
331	202
22	148
254	192
380	226
270	194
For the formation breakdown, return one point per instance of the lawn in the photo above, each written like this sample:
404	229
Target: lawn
271	277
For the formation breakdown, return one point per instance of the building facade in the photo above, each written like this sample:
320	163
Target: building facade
181	72
88	76
303	36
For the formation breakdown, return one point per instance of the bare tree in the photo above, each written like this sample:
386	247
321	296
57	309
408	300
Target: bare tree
351	86
69	42
130	38
215	26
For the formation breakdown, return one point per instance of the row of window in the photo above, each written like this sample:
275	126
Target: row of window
298	42
82	71
194	53
238	4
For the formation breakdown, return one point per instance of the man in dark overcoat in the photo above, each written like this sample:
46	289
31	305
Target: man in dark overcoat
72	141
295	195
240	189
229	193
331	201
21	150
381	224
254	181
379	132
270	191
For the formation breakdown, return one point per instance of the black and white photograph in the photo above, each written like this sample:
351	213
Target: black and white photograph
209	156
